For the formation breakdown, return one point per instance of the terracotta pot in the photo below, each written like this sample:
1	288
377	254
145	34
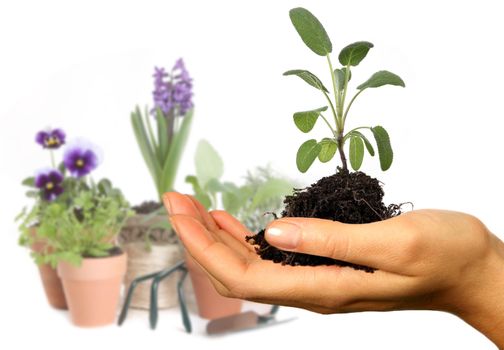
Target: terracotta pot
93	289
211	304
50	280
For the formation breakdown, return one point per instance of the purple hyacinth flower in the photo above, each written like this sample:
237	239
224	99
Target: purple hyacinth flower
50	183
172	92
81	157
51	138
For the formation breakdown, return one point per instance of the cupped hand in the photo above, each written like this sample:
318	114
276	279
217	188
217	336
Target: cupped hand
425	259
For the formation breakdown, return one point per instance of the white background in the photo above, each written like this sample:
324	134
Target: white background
83	67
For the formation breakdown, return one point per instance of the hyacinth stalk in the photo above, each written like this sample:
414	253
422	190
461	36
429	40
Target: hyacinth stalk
162	142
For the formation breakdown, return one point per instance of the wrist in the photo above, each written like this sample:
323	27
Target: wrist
480	300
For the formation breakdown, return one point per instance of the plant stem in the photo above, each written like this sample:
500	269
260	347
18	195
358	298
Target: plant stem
333	77
341	144
355	129
53	162
333	110
350	104
345	88
329	125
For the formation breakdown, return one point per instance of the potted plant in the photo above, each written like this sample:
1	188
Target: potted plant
349	197
261	191
44	188
77	220
161	134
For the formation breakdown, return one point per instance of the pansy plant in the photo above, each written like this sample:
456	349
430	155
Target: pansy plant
315	37
73	215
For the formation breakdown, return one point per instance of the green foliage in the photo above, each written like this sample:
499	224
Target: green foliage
306	120
384	149
381	78
327	150
308	77
208	163
306	155
315	37
161	150
311	31
353	54
356	152
340	75
81	222
262	190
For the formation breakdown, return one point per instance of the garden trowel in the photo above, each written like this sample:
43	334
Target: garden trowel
244	321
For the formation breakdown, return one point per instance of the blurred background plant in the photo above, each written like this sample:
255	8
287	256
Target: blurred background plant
162	146
261	192
72	214
161	134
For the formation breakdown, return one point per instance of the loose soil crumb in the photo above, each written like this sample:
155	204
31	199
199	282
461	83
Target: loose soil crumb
348	197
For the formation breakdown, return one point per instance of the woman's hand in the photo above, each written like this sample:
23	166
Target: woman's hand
426	259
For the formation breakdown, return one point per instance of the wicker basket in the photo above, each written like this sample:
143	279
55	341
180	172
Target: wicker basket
164	252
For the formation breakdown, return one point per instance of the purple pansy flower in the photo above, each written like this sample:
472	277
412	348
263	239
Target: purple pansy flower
51	138
81	157
50	183
172	92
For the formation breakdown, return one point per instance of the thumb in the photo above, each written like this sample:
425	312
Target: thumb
366	244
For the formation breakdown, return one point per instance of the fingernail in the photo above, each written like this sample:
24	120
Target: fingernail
283	235
166	201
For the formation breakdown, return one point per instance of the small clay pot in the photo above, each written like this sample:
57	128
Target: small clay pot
52	287
93	289
50	280
211	304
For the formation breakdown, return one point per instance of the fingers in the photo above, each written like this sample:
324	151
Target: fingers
382	245
316	288
177	203
217	258
229	224
207	219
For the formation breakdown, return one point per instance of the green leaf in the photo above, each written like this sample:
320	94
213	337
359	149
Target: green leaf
62	168
340	77
162	130
309	77
311	31
327	150
32	194
354	53
209	164
384	149
306	154
233	197
145	146
29	181
369	147
177	147
214	186
306	120
272	188
105	186
199	194
356	152
381	78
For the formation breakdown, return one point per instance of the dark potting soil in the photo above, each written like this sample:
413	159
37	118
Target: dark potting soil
147	207
114	251
348	197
